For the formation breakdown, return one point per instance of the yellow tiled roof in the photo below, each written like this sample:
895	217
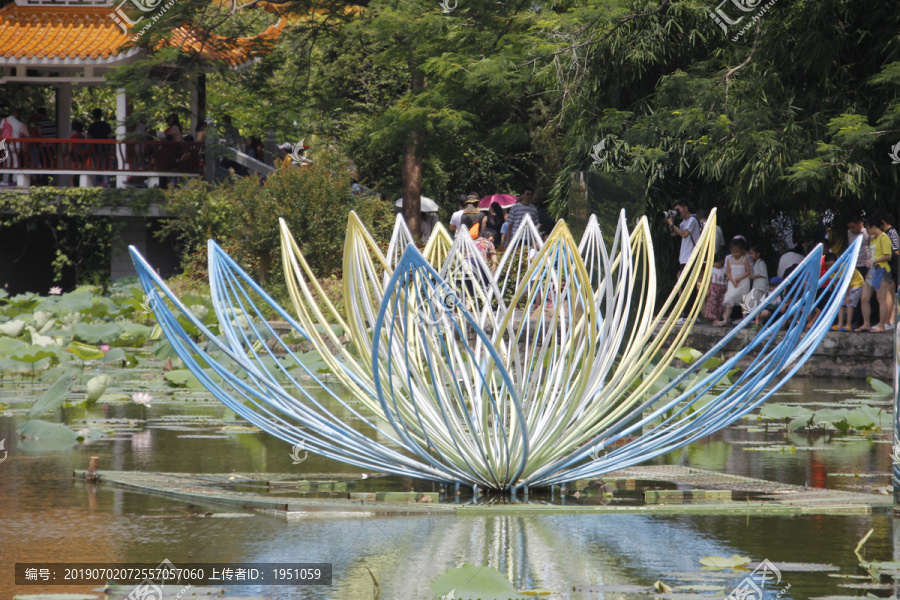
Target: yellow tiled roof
79	35
59	35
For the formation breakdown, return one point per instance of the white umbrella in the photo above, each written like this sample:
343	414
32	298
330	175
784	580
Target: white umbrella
426	205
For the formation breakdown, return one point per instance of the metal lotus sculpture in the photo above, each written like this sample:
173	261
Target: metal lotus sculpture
551	368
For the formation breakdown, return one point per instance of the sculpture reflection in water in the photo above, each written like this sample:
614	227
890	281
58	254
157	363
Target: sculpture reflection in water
553	368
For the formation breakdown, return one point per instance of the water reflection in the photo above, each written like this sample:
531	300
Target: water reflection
48	516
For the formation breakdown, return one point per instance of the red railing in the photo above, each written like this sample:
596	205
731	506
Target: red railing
51	154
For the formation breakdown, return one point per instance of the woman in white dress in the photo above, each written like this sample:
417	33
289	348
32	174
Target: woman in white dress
737	271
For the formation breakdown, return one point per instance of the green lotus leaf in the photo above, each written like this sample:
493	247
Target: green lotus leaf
74	302
96	333
41	317
880	387
712	363
12	328
780	411
800	422
471	581
199	311
42	340
859	419
718	562
84	351
831	415
10	345
45	437
33	354
96	386
55	395
133	335
114	355
687	355
48	327
184	378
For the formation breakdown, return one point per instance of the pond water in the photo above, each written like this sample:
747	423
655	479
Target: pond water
49	516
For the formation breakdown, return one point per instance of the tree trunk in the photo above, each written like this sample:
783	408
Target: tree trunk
265	262
412	186
412	162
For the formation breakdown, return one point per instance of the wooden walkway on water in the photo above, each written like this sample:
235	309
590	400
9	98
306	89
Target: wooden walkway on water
259	492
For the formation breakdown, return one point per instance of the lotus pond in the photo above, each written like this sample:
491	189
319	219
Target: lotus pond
87	375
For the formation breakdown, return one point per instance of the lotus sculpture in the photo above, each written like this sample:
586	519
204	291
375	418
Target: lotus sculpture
554	367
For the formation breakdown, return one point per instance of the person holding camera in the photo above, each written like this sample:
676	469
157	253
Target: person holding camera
688	229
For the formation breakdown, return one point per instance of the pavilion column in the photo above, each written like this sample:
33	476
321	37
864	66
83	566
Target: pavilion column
121	114
64	122
196	84
192	102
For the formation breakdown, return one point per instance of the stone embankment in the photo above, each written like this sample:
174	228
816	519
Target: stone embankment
841	354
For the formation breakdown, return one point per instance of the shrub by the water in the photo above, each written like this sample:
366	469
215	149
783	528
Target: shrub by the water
242	216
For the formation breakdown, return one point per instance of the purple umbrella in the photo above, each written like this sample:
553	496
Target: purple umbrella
504	200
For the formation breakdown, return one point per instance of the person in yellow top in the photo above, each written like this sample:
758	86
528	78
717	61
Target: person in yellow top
878	279
851	300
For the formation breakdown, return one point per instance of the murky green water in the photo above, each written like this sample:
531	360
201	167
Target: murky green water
49	516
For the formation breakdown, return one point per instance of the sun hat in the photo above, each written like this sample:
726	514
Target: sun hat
472	198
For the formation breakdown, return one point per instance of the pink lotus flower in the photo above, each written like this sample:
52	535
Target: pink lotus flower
142	398
104	347
55	290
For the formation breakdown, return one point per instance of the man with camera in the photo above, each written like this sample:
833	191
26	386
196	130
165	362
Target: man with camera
688	230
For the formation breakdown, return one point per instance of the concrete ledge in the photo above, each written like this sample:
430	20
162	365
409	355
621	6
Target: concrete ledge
841	354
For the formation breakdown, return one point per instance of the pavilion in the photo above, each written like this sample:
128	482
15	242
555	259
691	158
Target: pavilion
65	43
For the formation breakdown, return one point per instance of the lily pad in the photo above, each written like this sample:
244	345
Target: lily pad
32	354
84	351
96	386
12	328
781	411
719	562
42	430
687	355
96	333
880	387
470	581
55	395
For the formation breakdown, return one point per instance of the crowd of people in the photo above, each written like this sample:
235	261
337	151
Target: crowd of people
741	278
79	156
493	229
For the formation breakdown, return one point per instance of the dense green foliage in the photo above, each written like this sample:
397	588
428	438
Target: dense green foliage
242	216
81	238
795	115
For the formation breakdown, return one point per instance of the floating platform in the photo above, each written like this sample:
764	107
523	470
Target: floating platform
259	492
